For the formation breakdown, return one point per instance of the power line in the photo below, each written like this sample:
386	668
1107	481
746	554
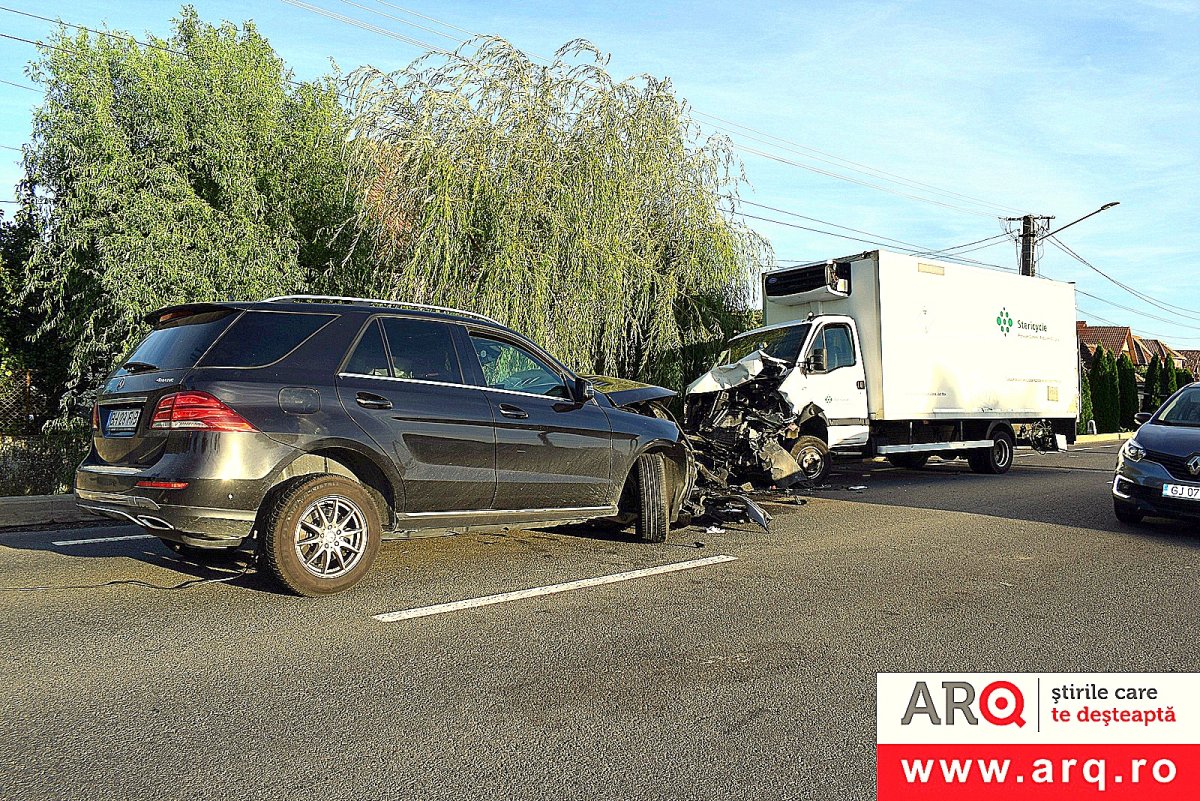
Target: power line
1170	308
825	222
399	19
366	26
20	86
908	250
854	166
118	36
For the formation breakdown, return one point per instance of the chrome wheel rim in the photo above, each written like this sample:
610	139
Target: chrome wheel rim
811	461
331	537
1002	453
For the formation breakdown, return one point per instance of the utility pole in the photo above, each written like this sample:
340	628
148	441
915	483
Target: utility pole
1029	240
1030	236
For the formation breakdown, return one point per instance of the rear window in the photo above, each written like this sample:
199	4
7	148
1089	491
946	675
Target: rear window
178	344
258	338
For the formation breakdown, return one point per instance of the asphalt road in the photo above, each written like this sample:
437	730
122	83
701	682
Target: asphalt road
747	679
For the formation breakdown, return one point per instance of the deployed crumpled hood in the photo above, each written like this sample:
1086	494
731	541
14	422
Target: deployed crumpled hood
740	372
623	392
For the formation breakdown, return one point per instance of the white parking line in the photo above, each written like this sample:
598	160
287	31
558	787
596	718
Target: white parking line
106	539
504	597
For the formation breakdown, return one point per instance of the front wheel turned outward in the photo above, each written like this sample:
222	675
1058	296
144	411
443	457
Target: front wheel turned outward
812	454
654	499
321	535
994	460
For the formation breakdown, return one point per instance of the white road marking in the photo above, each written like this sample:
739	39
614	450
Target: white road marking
517	595
106	539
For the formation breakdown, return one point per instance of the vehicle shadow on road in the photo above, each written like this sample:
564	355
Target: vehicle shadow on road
237	569
1074	494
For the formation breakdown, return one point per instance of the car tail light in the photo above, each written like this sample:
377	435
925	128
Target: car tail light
197	411
163	484
96	416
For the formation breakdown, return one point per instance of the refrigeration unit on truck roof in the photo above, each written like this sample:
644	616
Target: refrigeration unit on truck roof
895	355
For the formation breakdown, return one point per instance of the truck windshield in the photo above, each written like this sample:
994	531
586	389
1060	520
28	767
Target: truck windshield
1183	411
781	343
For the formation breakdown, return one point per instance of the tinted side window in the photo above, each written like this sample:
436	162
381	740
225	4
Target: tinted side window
179	343
506	366
839	348
370	357
258	338
422	350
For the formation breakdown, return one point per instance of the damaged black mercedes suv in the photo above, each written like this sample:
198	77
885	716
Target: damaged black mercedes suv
316	426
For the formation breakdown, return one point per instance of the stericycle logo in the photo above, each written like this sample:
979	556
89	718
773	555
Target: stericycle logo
1005	321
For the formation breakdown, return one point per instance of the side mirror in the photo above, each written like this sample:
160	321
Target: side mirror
815	363
1141	418
584	391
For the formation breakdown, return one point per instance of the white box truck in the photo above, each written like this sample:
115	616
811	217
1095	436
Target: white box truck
890	355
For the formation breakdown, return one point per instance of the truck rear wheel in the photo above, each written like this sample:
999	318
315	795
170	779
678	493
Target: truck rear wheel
996	459
812	454
909	461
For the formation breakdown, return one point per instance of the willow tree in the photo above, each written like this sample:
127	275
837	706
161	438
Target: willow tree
187	168
586	212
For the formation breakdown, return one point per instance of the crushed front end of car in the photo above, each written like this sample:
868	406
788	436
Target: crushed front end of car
736	416
704	499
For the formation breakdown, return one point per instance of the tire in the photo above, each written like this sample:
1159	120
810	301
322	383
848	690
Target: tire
812	454
1129	515
654	511
995	460
908	461
311	526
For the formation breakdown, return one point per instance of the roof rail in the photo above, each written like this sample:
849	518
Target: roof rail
377	302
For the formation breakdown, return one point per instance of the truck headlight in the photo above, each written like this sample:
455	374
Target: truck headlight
1133	451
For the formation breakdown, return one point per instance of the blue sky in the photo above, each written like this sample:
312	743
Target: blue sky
1047	108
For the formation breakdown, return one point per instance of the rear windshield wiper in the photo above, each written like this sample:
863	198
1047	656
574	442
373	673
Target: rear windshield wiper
139	367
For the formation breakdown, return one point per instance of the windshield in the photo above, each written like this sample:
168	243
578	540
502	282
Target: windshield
782	343
1184	410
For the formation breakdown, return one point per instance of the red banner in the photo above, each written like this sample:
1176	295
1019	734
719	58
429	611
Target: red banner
1030	772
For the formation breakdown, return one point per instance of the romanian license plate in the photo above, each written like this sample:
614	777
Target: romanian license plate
1181	491
123	419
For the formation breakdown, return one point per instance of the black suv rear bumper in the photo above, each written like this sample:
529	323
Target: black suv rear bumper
216	509
199	526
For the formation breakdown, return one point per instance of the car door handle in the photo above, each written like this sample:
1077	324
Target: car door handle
369	400
515	412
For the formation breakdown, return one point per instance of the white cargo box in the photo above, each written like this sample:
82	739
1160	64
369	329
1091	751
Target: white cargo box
944	341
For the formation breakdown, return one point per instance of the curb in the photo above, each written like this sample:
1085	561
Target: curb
1093	439
39	510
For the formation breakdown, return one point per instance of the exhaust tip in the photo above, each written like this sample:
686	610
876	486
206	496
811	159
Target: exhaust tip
155	523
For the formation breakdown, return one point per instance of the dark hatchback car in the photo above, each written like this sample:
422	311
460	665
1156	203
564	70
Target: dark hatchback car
1158	471
319	425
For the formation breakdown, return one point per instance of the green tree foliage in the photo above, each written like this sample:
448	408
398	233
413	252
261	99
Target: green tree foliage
1168	381
1184	377
1128	392
1105	391
22	350
585	212
188	170
1150	385
1086	411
